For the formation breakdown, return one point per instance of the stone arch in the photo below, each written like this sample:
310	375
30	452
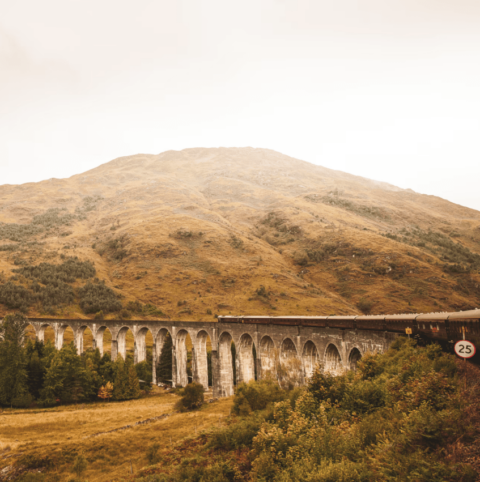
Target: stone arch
30	333
160	372
103	340
181	356
143	338
124	340
200	369
333	360
60	338
310	358
289	371
226	366
353	358
245	360
45	333
80	339
267	356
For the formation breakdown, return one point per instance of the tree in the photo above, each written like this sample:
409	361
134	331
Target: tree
67	379
133	386
121	379
13	362
164	367
192	397
105	392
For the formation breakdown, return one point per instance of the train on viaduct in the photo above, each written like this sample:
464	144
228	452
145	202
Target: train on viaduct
296	343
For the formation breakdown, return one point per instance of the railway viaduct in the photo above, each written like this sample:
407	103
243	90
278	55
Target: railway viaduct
290	349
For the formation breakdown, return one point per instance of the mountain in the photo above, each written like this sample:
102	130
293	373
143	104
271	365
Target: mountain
194	233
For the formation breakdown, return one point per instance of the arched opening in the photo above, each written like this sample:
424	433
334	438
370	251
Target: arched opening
354	358
46	334
65	336
202	367
333	361
88	339
164	353
245	359
289	371
226	364
310	358
30	333
267	357
103	340
125	343
183	347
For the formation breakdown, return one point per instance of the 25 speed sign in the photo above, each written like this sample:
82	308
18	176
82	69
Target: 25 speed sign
465	349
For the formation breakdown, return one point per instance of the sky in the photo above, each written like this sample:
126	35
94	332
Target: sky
384	89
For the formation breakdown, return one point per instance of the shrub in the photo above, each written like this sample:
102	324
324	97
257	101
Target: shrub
365	305
153	456
79	465
254	396
192	397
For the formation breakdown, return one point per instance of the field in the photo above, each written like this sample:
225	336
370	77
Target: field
62	433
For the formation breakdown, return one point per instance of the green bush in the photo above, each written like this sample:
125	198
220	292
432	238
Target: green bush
253	396
192	397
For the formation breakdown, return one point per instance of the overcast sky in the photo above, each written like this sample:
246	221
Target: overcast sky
385	89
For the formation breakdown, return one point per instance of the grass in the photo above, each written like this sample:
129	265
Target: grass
62	433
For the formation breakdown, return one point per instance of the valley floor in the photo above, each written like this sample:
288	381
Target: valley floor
58	435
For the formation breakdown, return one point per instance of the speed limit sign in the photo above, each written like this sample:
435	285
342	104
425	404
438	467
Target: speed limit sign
465	349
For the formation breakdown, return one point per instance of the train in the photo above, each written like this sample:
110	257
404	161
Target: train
448	326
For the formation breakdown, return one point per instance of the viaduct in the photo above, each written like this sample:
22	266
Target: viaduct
295	348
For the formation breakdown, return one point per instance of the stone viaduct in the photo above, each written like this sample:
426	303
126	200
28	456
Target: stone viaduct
294	350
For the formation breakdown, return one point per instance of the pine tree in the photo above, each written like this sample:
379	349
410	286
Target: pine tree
121	379
13	362
164	367
133	386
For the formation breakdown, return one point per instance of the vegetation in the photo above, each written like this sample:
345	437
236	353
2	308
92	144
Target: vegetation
43	223
457	258
38	372
398	417
192	397
95	297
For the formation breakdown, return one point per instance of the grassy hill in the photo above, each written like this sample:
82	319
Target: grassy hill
190	234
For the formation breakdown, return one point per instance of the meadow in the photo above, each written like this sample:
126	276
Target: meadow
56	436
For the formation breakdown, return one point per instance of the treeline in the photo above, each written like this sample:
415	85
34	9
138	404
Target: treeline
400	416
36	372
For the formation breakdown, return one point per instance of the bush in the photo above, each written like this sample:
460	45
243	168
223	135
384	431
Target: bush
192	397
254	396
79	465
153	456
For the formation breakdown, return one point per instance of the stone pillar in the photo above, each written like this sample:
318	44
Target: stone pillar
181	359
216	374
154	363
114	350
40	334
244	360
226	366
79	341
200	360
98	341
174	366
59	330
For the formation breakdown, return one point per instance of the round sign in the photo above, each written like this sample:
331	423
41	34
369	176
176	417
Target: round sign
465	349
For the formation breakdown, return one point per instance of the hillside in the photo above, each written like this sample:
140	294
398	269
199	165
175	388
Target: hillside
193	233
